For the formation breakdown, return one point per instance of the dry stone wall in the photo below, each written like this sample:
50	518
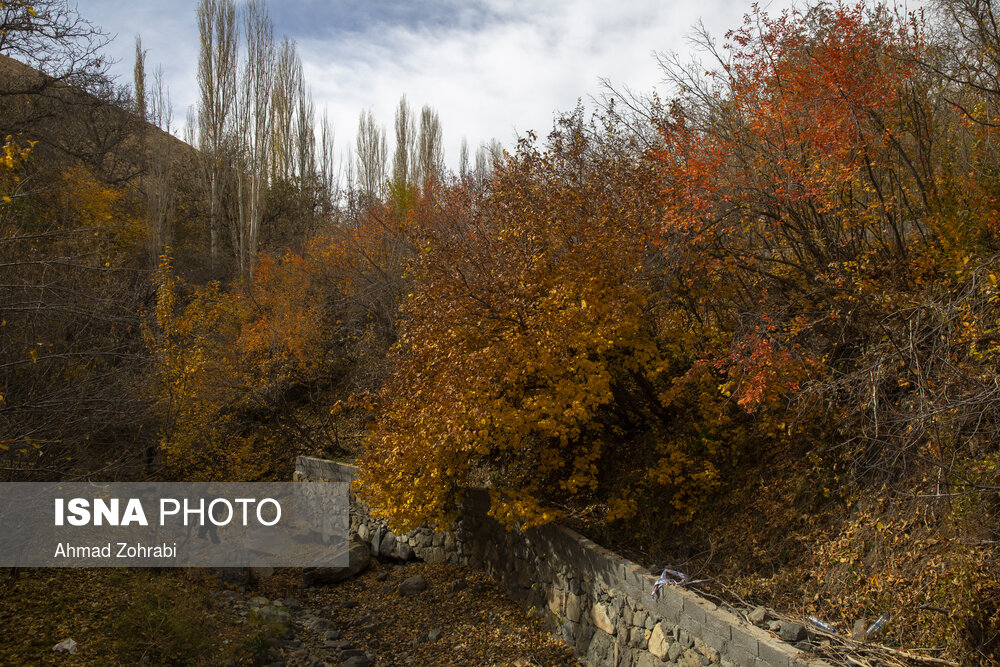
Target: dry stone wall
599	602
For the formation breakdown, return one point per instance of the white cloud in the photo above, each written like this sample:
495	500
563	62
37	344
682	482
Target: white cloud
491	68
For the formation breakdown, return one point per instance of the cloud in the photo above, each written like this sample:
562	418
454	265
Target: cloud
492	68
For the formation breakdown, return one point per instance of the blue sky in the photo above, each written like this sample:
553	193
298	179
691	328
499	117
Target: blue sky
492	68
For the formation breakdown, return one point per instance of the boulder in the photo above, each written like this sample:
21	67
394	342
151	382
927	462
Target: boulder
659	642
791	632
387	545
359	556
413	585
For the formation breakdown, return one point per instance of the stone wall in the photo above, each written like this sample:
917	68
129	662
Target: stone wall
599	602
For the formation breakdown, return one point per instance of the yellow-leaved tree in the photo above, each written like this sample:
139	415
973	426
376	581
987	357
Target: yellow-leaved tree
538	355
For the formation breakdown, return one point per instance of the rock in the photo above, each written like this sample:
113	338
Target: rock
691	658
574	607
367	619
359	555
758	615
382	576
804	646
331	635
348	604
413	585
316	623
674	652
685	638
602	618
339	644
271	614
258	601
434	635
376	536
292	604
387	545
638	637
363	532
261	573
659	642
352	653
357	661
405	551
227	596
434	555
791	632
65	646
774	626
706	650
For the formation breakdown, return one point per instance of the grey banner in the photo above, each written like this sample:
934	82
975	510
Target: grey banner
176	524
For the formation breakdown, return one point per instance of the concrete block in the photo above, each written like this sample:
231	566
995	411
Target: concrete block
667	606
696	607
776	653
743	639
690	624
720	623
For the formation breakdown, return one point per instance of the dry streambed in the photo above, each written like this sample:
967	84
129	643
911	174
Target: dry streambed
415	614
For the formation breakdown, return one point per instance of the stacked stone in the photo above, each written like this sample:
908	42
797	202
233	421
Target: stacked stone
599	602
424	544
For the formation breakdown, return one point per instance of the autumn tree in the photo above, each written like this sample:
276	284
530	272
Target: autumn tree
70	309
254	116
429	160
530	357
217	83
403	166
372	154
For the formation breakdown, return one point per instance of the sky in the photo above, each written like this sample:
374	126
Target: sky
491	68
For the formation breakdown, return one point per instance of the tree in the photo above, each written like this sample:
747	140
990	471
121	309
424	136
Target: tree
406	136
463	159
305	138
159	184
284	106
70	301
530	351
372	154
429	162
51	37
253	132
217	78
139	76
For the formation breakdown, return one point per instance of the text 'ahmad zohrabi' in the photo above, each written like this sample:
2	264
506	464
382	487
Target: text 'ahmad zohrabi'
117	550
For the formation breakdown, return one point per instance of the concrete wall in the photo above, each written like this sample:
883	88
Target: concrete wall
599	602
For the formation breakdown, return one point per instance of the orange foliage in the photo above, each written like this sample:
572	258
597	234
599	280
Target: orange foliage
533	345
